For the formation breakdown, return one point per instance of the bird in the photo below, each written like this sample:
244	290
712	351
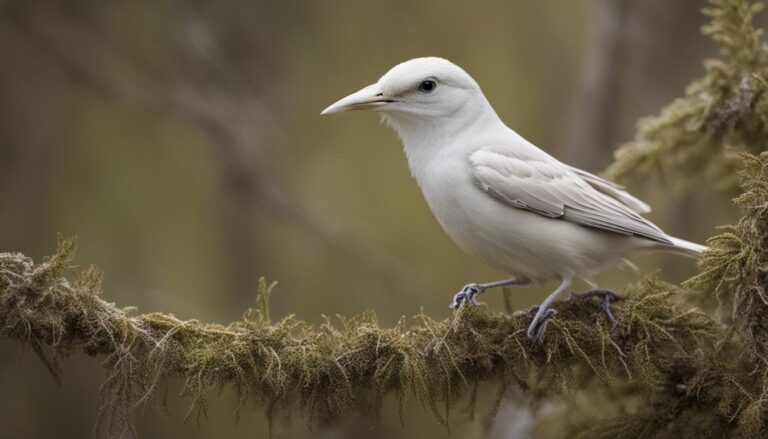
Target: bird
502	199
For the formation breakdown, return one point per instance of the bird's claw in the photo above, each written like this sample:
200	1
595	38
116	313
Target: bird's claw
607	297
604	294
468	294
539	324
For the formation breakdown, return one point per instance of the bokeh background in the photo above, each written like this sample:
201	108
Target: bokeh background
181	142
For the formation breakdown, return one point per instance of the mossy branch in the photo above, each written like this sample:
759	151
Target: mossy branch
723	392
691	139
332	369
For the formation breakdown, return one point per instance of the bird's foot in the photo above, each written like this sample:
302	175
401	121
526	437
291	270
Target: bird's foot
607	297
539	323
468	294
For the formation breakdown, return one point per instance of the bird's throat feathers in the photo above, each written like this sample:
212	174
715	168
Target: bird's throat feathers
421	141
423	138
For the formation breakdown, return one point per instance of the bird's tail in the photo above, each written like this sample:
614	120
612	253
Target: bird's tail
685	248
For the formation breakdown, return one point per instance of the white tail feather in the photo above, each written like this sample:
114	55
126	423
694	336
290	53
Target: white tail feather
687	248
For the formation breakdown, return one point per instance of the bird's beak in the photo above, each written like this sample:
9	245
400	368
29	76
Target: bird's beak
369	98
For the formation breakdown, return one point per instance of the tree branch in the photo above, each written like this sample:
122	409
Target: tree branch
332	369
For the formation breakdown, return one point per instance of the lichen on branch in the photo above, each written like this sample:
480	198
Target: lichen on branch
332	369
693	137
722	391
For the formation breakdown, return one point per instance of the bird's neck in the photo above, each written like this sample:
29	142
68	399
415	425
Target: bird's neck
424	138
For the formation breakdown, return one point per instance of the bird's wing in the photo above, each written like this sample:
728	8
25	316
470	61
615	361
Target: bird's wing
613	190
531	179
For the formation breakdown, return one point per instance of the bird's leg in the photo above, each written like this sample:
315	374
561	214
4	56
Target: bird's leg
469	293
543	313
605	306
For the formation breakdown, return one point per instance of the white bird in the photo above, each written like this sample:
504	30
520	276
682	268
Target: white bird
500	198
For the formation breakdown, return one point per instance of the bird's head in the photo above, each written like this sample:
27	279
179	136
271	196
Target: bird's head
422	89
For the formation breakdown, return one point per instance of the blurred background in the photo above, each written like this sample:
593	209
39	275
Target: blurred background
181	142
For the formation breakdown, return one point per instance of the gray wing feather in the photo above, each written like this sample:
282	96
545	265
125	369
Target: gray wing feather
613	190
541	184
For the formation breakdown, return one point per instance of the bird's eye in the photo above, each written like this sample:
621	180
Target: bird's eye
427	86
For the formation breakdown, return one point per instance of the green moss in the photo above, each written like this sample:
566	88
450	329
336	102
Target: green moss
693	137
336	368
